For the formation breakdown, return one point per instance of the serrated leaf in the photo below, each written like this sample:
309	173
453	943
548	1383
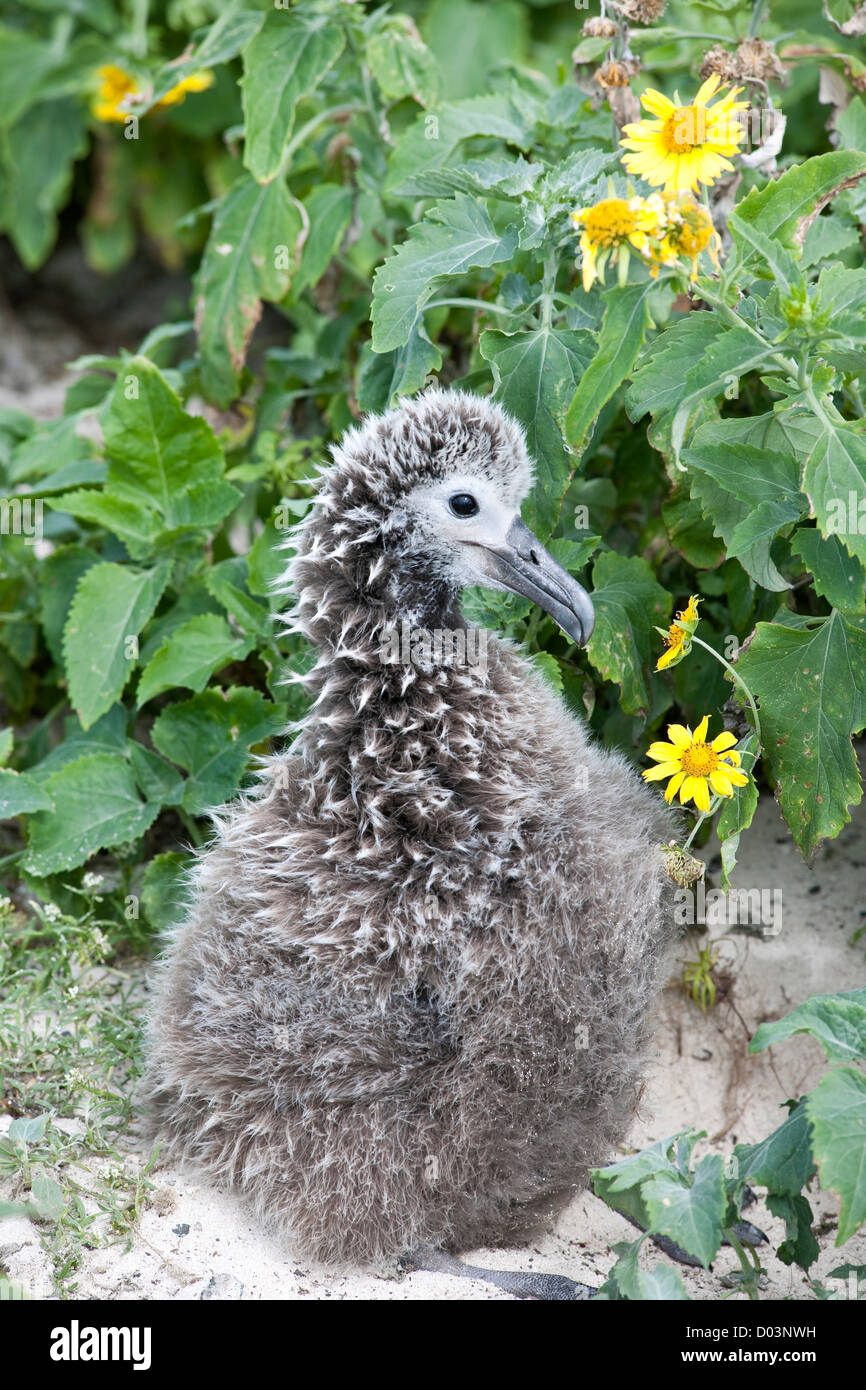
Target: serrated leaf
764	254
691	1213
111	605
19	794
402	64
453	238
536	375
108	735
751	474
190	655
838	1021
628	603
783	1161
737	813
776	209
96	805
762	524
811	687
550	670
657	383
209	736
249	257
385	376
834	472
58	576
284	62
839	576
837	1109
663	1284
250	615
136	525
623	330
419	149
725	360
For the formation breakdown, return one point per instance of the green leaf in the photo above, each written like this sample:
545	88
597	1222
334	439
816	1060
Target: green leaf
165	890
210	735
839	577
19	794
249	257
536	375
737	814
222	41
111	605
190	655
384	376
157	780
551	671
753	475
838	1021
136	525
402	64
329	209
774	262
7	738
691	1213
157	452
40	152
283	63
47	1196
834	479
628	603
58	576
729	357
777	209
837	1109
250	615
762	524
623	330
662	1284
96	805
108	735
430	142
657	383
811	687
783	1161
453	238
691	533
799	1246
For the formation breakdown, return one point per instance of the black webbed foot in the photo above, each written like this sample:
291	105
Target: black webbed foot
519	1283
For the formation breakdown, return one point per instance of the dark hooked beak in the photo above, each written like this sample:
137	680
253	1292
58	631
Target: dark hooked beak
523	566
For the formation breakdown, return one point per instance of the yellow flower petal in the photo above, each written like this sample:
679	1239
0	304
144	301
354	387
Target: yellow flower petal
674	785
679	735
701	730
720	784
687	790
702	794
657	774
723	741
663	751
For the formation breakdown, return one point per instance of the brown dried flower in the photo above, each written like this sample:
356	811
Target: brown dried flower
617	72
599	28
642	11
753	59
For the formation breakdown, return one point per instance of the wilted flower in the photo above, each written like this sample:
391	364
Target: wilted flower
642	11
684	146
598	28
678	638
118	90
695	766
610	229
689	230
753	58
617	72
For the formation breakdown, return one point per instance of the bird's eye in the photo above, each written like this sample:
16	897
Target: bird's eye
463	504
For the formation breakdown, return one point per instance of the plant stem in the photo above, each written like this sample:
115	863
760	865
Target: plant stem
757	18
344	109
460	303
740	682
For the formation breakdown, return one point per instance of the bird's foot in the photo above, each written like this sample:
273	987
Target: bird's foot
745	1232
519	1283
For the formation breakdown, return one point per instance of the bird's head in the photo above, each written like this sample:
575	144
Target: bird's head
426	499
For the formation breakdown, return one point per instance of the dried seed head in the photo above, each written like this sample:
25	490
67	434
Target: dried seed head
683	868
598	28
617	72
753	59
642	11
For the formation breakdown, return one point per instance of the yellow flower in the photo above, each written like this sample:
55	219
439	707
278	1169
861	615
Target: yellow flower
695	766
118	91
678	638
609	230
686	145
689	230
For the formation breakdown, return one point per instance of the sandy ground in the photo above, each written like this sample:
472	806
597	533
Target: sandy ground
198	1242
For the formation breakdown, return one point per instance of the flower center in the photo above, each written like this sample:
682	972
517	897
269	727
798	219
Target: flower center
695	233
684	128
699	760
610	222
675	636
